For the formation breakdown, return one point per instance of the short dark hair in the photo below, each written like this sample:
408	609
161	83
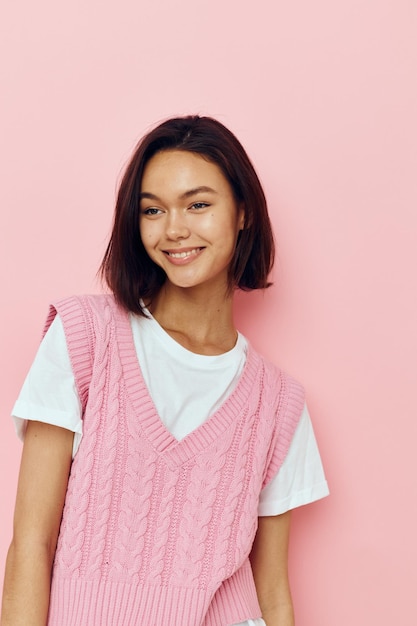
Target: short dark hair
126	266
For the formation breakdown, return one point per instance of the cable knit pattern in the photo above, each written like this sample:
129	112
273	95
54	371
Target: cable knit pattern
155	531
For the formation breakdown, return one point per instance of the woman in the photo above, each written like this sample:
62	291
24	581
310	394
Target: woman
162	454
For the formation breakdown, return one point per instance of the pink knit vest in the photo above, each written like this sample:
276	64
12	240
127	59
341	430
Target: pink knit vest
155	531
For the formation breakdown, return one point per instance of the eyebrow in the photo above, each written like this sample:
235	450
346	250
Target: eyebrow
186	194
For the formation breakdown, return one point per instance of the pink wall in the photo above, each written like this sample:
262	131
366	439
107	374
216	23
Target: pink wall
323	95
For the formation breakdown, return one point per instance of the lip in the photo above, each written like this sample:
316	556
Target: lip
182	256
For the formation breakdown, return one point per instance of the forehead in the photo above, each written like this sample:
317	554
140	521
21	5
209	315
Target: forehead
181	170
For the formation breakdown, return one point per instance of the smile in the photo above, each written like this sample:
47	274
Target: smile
184	254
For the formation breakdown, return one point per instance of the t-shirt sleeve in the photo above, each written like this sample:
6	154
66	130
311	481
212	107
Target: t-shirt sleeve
300	479
49	393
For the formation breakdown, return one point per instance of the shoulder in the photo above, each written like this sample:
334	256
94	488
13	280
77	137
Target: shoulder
82	309
96	302
275	378
86	319
282	403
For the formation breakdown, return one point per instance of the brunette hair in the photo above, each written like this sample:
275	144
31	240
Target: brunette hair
126	266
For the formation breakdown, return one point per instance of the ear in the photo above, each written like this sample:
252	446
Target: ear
241	216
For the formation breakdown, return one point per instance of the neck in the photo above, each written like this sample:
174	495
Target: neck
201	323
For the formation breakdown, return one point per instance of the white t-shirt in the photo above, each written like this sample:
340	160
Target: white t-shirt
49	395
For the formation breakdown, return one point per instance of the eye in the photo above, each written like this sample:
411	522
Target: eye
151	211
199	205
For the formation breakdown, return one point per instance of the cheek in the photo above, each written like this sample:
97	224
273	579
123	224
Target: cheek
147	233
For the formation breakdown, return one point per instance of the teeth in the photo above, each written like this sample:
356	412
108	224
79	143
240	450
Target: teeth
182	255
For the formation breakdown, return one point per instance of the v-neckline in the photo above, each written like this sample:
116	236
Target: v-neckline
177	452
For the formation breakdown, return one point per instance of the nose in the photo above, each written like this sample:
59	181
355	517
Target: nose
176	226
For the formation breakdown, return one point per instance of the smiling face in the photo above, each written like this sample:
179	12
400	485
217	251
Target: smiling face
189	219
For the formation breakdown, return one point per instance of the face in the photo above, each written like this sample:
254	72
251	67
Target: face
189	219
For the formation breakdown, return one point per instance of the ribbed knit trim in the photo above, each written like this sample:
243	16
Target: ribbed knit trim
177	452
290	409
76	602
106	603
235	601
79	335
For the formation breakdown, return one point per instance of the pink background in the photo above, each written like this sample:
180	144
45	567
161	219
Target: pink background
323	95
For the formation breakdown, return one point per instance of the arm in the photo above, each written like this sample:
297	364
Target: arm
269	560
43	480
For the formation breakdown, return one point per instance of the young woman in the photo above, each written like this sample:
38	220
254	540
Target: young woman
162	454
